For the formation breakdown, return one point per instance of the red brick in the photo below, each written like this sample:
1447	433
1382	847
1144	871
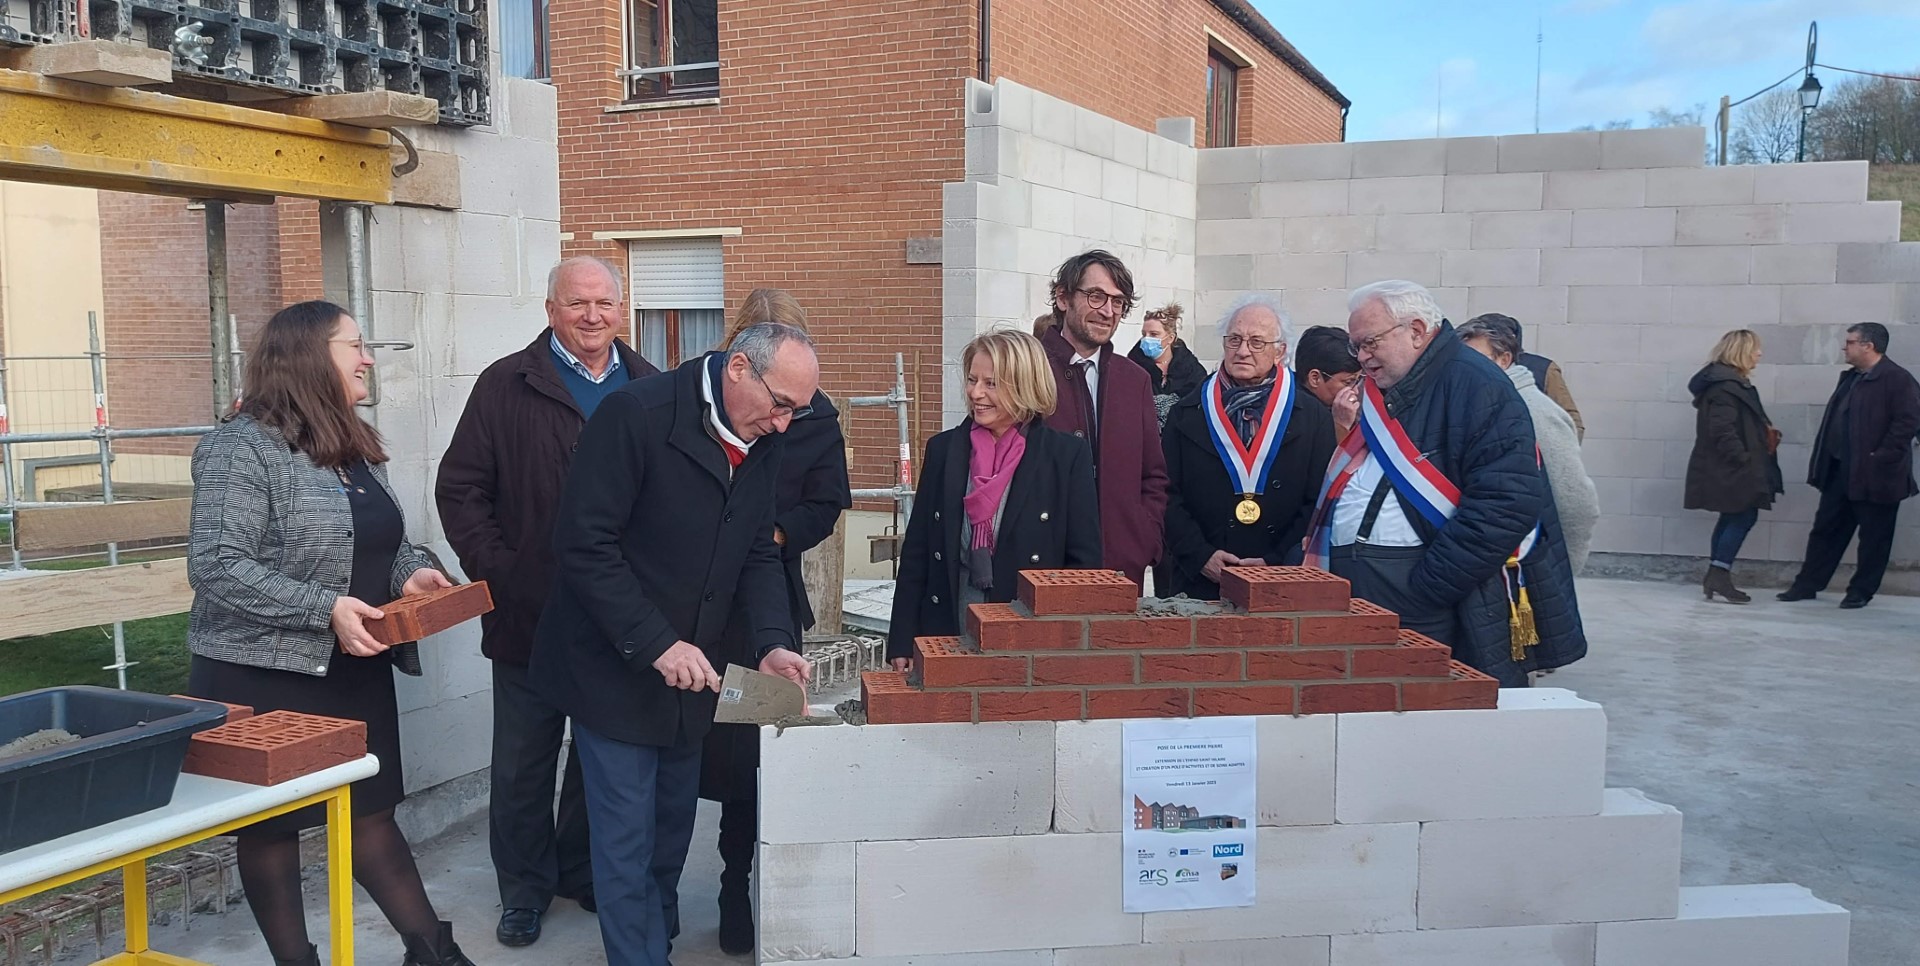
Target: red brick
1139	703
274	747
235	712
1233	630
890	700
1083	669
1029	705
947	662
1345	698
998	627
1192	666
1365	622
1050	593
1260	699
414	617
1296	665
1464	689
1260	590
1141	632
1415	656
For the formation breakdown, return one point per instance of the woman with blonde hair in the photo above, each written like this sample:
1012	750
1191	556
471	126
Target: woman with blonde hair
999	493
1172	367
1733	470
808	498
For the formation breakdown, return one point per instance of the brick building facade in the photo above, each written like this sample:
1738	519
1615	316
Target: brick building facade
821	149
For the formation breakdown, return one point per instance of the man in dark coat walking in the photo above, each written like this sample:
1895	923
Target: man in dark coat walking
1110	405
1233	500
665	529
1438	508
497	489
1863	467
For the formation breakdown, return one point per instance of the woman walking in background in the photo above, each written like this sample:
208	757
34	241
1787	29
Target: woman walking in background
1733	470
296	542
1173	368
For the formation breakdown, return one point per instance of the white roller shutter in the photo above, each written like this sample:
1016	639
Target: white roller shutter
675	273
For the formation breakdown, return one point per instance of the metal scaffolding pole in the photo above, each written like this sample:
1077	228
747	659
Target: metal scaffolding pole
99	357
218	307
901	493
6	467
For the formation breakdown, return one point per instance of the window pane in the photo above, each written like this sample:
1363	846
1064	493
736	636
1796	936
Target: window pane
700	330
1222	102
653	338
696	31
643	33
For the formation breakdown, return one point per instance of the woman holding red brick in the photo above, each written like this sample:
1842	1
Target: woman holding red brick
999	493
296	541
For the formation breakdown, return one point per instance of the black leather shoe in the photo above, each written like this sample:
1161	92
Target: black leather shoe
1852	602
585	899
1791	594
736	921
518	927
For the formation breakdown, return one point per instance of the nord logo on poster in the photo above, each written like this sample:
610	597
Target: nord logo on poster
1230	851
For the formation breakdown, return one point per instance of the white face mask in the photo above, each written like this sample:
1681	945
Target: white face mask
1151	347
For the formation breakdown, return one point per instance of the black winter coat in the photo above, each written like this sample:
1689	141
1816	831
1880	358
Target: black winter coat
808	500
655	545
1051	520
1184	374
1731	469
1886	414
1201	495
1463	413
501	480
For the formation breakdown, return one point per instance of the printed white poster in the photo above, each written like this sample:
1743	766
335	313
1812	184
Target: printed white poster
1188	784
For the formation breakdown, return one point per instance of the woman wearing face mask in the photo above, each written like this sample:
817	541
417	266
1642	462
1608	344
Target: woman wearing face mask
1174	369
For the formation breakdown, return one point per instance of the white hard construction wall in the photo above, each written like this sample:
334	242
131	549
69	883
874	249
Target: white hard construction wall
1623	257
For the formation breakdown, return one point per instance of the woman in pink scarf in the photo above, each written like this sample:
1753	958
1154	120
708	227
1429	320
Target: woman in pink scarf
999	493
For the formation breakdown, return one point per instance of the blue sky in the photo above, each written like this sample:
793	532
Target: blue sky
1604	59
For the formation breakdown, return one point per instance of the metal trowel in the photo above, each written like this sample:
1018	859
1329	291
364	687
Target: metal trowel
753	697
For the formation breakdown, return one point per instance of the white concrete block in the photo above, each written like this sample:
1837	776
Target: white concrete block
1238	236
1081	173
1512	946
1514	266
1392	196
1052	208
1867	221
1798	265
1176	129
1590	266
1054	119
1093	133
1542	753
534	109
1231	165
429	238
1494	192
1294	199
1320	306
959	291
983	152
1671	421
1013	106
806	900
1531	304
1419	267
1621	864
1317	880
1039	249
1299	271
1330	233
1295	951
1623	227
1522	229
1119	183
1473	155
1224	271
1719	185
1231	200
1009	203
1698	265
1423	233
1731	225
1906	306
1092	217
1836	304
986	894
1571	151
1658	147
1750	925
1173	159
1627	534
1306	162
1130	146
1596	189
1129	226
1399	159
1813	181
995	245
1046	163
1878	262
490	327
1729	305
1012	957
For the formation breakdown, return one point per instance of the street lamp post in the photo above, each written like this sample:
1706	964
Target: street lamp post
1809	89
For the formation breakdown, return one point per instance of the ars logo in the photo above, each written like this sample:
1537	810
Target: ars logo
1153	877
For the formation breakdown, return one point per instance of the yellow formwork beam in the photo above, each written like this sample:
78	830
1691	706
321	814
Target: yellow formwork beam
64	132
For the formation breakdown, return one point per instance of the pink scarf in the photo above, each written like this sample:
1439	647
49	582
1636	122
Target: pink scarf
991	468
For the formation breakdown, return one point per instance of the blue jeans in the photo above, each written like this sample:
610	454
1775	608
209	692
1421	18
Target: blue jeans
1729	534
640	805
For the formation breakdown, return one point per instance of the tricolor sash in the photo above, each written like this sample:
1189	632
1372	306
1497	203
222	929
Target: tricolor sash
1247	463
1420	485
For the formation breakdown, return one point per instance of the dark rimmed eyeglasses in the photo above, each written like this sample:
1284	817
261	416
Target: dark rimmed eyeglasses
1098	299
780	408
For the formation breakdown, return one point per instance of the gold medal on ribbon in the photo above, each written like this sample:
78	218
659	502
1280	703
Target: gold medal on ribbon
1247	511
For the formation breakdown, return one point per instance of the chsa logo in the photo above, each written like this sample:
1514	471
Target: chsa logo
1230	850
1186	875
1153	877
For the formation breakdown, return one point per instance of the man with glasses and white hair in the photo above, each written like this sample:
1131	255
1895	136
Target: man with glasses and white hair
664	532
1435	506
1109	405
1246	453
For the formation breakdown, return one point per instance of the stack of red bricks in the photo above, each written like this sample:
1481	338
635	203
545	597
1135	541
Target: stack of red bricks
1081	644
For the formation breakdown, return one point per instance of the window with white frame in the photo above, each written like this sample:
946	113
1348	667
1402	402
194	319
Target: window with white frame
673	49
678	302
1223	100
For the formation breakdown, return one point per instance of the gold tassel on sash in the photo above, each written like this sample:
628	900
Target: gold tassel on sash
1521	631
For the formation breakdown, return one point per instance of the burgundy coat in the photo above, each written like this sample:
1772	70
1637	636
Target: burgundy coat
1128	463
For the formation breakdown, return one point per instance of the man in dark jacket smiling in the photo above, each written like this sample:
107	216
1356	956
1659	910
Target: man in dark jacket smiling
1438	509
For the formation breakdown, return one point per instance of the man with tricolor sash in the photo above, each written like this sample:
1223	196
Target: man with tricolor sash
1245	455
1435	505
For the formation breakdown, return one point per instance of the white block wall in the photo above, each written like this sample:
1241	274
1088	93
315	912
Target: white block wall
1046	179
1477	838
1625	260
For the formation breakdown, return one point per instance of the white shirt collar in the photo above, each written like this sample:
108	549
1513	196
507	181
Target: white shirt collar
713	414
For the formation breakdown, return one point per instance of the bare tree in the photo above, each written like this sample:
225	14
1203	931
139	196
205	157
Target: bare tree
1768	130
1868	119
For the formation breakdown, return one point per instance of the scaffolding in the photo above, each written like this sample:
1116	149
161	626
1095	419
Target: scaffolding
887	546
